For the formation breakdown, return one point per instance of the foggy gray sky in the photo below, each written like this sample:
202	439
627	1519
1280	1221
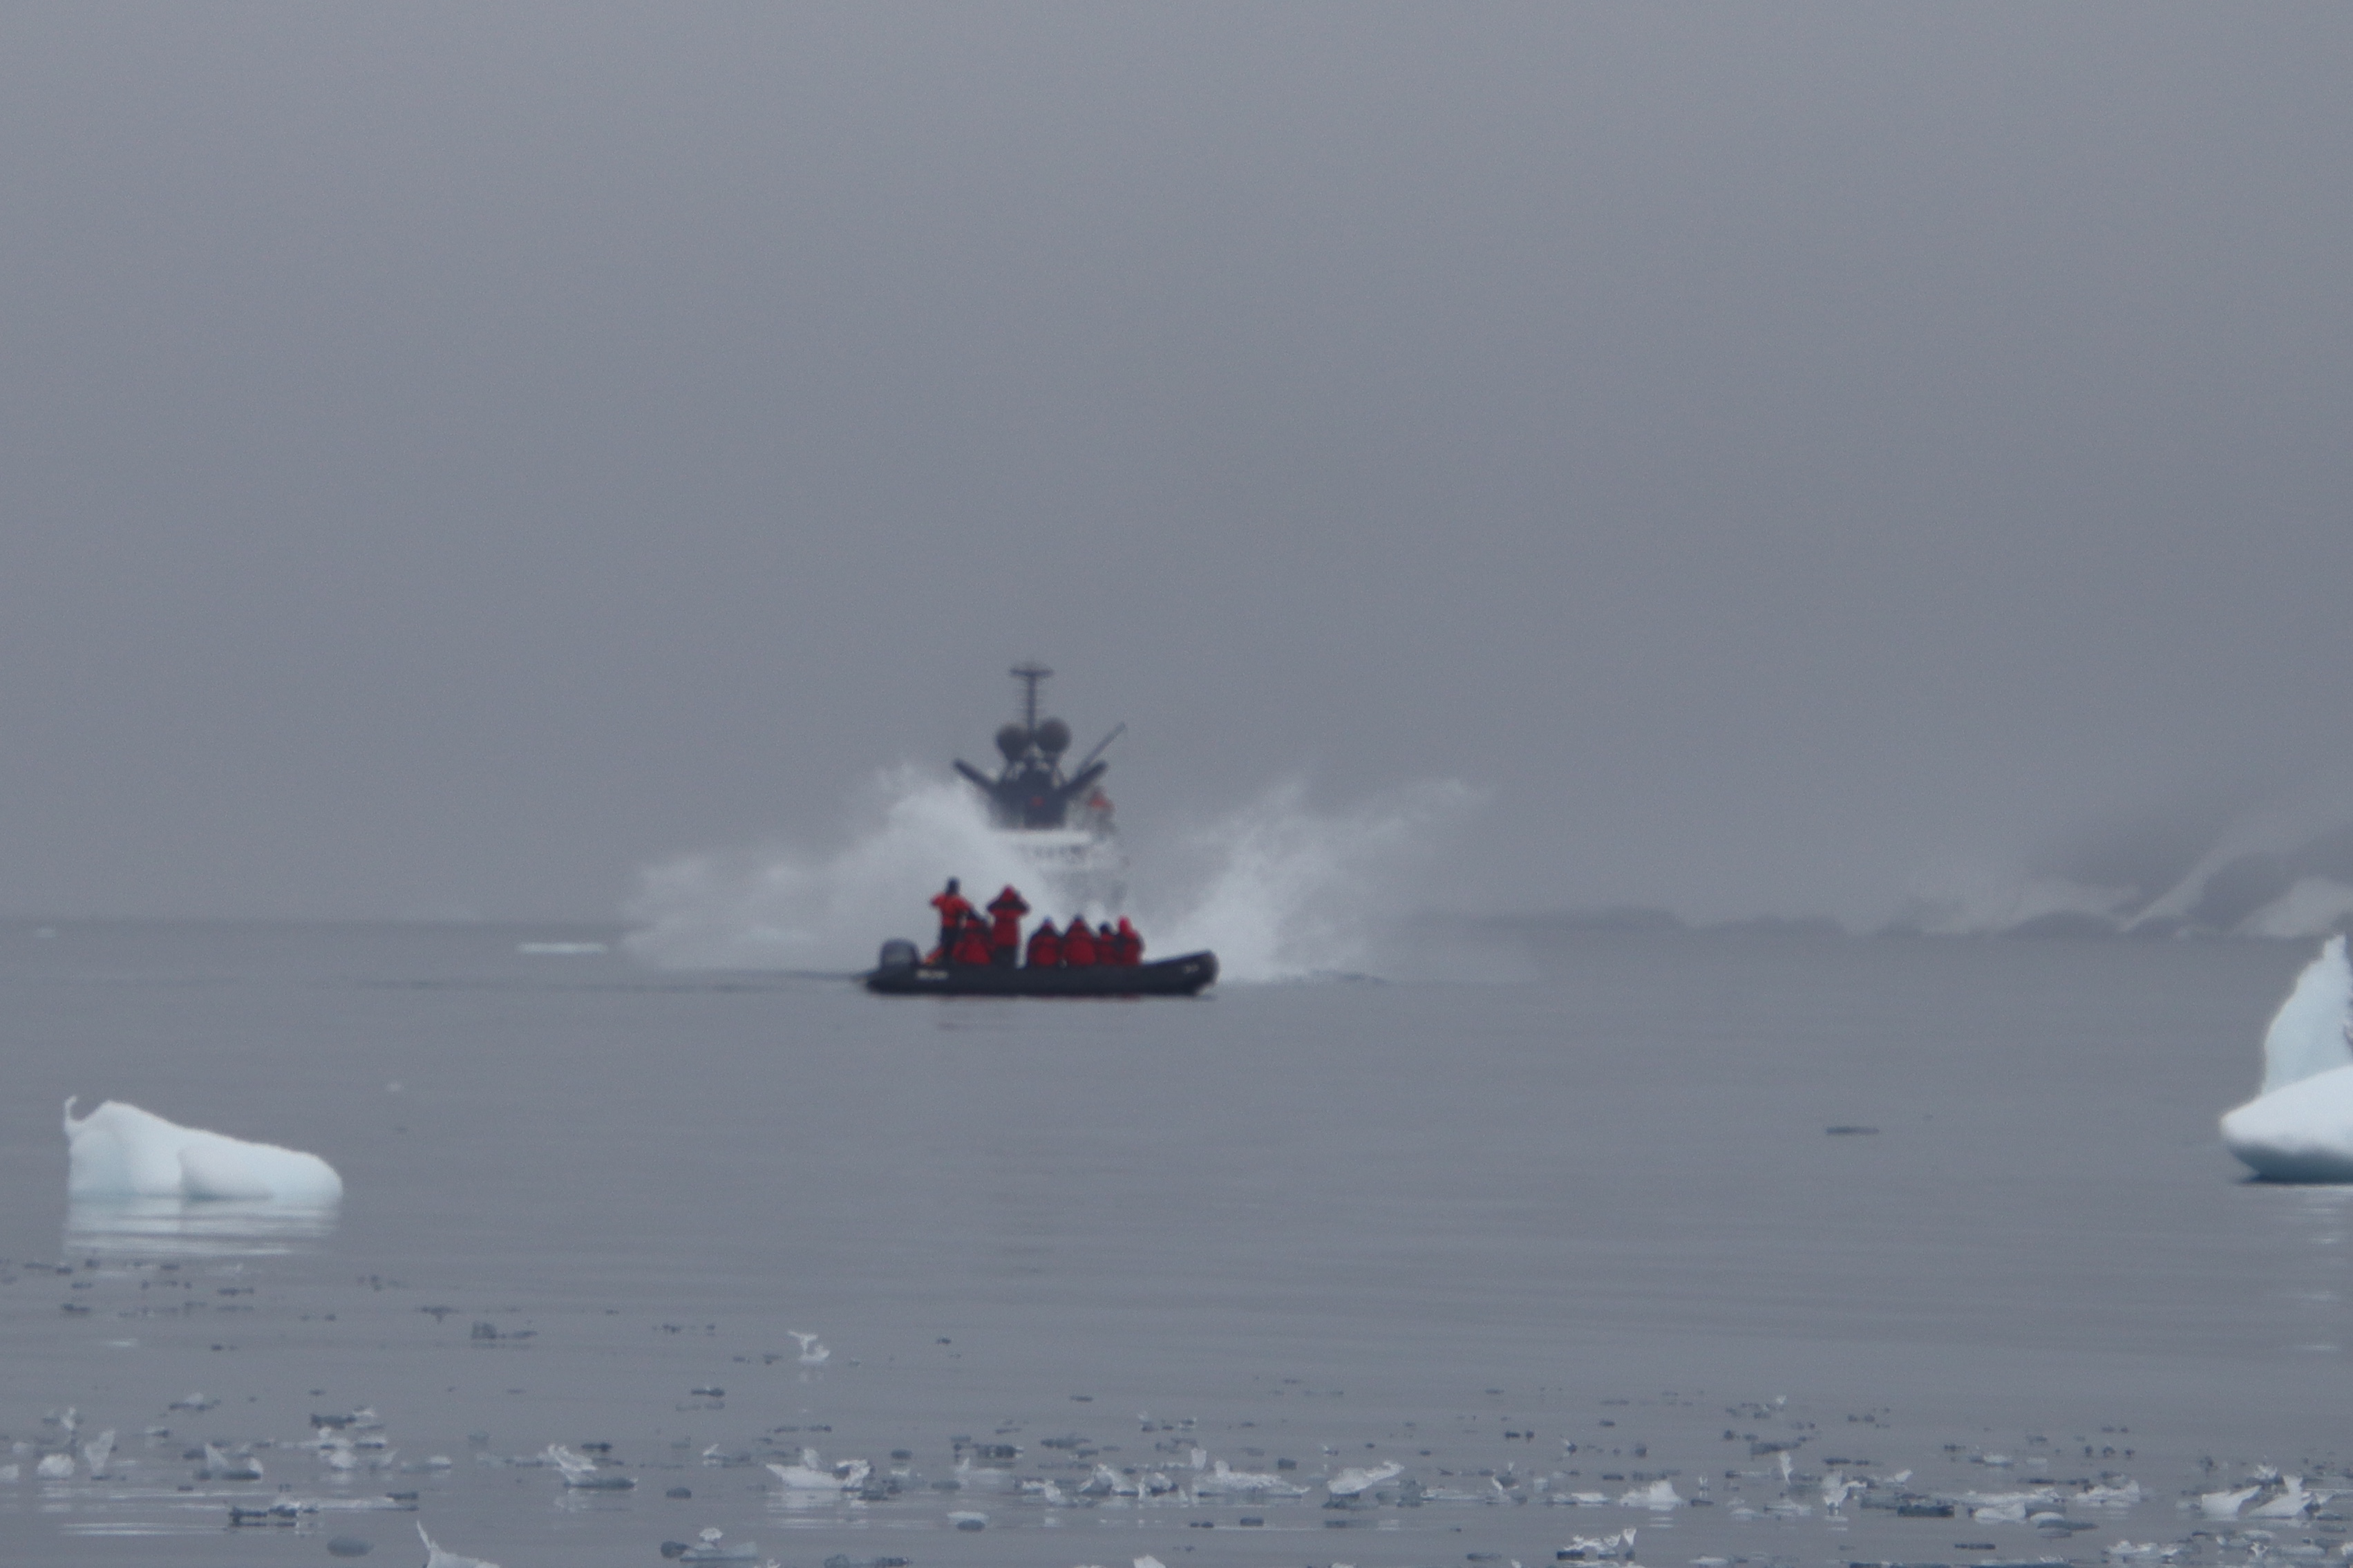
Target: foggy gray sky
455	455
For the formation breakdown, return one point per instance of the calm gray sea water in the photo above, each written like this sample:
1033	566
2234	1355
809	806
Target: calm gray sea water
1460	1227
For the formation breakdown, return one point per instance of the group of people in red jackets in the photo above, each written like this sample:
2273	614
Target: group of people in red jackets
966	938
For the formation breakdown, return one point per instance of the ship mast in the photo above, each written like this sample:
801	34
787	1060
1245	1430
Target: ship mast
1030	674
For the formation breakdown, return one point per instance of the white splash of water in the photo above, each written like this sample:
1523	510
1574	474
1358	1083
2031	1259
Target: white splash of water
1281	890
1277	890
780	907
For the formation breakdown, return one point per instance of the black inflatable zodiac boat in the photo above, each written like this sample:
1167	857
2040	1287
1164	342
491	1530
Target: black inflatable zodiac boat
901	973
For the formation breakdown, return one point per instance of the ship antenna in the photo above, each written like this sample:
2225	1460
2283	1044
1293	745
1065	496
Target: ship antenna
1030	674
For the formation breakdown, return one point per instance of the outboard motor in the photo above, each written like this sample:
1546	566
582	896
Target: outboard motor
898	953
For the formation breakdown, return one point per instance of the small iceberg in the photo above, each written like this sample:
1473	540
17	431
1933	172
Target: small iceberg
119	1151
580	1471
2300	1127
1657	1495
1356	1483
811	1475
439	1557
1226	1479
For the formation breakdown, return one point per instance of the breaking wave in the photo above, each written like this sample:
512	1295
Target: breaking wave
1279	890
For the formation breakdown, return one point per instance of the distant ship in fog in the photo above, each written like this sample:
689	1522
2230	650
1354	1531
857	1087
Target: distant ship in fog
1059	821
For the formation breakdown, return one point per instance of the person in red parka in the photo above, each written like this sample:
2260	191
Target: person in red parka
953	907
971	943
1079	946
1046	946
1127	948
1005	912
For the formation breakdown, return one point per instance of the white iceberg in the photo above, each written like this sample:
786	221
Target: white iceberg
1248	1483
1657	1495
581	1471
436	1557
1618	1548
812	1474
2225	1504
2300	1127
1355	1482
119	1151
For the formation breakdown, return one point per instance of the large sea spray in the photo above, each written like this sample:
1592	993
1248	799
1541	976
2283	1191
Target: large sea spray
1279	889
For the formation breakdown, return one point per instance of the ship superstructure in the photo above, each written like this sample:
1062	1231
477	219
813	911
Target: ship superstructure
1031	792
1062	820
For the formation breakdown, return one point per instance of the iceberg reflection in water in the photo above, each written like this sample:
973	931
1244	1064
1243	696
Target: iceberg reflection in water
184	1227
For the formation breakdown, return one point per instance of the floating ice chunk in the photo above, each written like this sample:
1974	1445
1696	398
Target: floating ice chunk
99	1453
437	1558
220	1466
965	1519
1260	1483
2308	1035
2293	1501
1355	1482
1108	1482
55	1468
119	1151
2227	1504
1836	1490
813	1351
1615	1548
982	1478
707	1548
2299	1127
2300	1133
2124	1494
1148	1561
1657	1495
812	1475
581	1471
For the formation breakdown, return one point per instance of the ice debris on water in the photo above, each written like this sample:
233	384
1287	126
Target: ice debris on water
435	1557
813	1351
711	1546
812	1474
221	1467
1224	1479
580	1471
1659	1495
1355	1482
1618	1548
119	1151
